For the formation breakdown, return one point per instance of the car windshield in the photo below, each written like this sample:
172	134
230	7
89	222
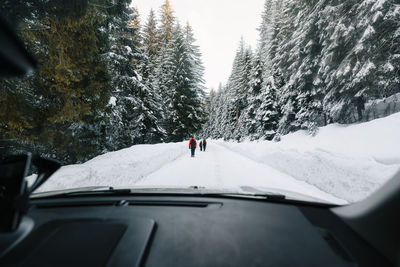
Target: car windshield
293	97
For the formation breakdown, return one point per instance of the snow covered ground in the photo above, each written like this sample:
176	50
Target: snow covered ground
122	168
348	161
219	167
341	164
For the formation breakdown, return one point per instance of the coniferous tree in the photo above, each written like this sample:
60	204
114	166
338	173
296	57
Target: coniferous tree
102	84
73	89
316	63
210	112
185	114
178	78
137	110
254	100
150	46
167	21
195	71
162	78
126	82
242	94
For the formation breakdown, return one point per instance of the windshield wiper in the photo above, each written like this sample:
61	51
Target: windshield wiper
259	193
95	190
267	196
109	191
245	192
270	196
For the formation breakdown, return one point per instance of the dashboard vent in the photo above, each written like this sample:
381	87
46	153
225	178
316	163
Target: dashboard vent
192	204
119	203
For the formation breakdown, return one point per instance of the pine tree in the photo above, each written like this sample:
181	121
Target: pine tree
254	101
210	112
362	52
125	80
167	21
184	102
150	46
195	76
267	116
215	127
136	111
73	82
163	83
239	82
195	62
103	85
316	63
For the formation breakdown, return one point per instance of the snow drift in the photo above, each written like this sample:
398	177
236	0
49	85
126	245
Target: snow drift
348	161
123	168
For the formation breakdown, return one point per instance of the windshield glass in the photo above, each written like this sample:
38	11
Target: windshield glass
300	98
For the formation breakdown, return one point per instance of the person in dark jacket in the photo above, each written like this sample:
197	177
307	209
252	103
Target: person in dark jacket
204	142
192	146
201	145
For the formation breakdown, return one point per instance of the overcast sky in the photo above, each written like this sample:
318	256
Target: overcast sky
218	26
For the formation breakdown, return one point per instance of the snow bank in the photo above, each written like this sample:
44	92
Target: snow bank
348	161
382	107
120	169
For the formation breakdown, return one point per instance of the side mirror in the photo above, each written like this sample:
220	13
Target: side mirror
14	192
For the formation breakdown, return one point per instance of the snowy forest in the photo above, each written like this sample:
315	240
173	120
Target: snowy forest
317	62
107	79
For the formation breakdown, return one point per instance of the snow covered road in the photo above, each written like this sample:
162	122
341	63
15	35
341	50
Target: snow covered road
342	162
219	167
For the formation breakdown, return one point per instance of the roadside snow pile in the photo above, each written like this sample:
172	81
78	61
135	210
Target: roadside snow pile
348	161
382	107
122	168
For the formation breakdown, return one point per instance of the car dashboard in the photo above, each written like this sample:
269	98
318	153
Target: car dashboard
174	230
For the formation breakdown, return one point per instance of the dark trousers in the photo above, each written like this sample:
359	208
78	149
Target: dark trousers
204	147
192	150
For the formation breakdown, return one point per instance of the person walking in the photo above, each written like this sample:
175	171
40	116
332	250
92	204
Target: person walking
204	142
192	146
201	145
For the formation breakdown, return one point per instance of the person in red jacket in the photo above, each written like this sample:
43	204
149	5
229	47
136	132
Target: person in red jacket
192	145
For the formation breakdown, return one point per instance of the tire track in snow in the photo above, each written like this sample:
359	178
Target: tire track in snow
220	167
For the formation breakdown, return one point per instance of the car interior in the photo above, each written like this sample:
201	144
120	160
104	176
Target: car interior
112	227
